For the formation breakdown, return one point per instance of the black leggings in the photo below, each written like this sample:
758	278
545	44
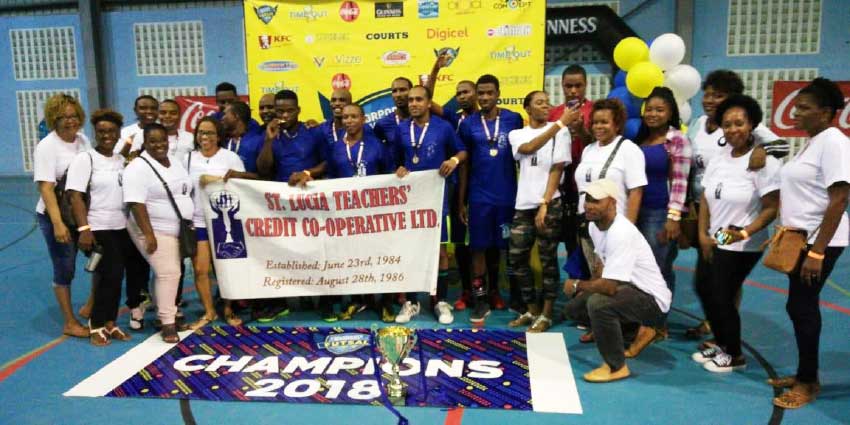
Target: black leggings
729	269
803	307
107	277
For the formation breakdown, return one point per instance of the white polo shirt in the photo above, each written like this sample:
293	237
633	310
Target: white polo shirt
52	158
627	169
106	209
534	168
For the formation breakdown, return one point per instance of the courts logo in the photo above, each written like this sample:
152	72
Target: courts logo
393	9
395	57
278	66
463	7
327	37
510	30
444	34
349	11
402	35
451	54
341	81
267	41
308	14
509	54
511	4
265	13
429	9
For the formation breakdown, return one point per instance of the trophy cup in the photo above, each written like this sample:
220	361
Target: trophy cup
395	343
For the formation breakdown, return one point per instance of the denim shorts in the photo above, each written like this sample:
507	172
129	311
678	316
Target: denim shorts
63	255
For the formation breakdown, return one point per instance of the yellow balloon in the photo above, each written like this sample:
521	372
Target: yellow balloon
643	77
630	51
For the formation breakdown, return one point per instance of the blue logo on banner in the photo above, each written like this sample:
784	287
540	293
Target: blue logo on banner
227	230
429	9
265	13
343	343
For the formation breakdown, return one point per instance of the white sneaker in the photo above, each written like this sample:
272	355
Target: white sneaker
408	311
443	311
707	355
724	363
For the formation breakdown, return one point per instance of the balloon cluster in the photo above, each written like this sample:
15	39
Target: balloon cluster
644	68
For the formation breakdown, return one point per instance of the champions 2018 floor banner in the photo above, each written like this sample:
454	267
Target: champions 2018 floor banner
363	235
314	47
482	368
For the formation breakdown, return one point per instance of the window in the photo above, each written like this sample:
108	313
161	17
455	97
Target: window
598	86
44	53
773	27
169	48
162	93
30	114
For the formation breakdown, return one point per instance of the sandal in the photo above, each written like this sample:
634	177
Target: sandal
541	324
116	333
232	319
789	381
137	319
169	334
587	338
202	322
524	319
98	337
798	396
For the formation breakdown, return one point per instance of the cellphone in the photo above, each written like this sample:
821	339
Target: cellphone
722	237
572	103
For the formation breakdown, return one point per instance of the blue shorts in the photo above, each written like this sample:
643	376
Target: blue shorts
489	226
444	230
63	255
201	234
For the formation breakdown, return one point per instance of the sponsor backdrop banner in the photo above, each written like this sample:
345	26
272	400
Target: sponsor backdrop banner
782	122
481	368
313	47
363	235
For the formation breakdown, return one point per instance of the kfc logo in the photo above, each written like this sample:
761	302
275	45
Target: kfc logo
268	41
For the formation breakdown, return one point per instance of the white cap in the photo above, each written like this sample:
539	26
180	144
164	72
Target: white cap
601	189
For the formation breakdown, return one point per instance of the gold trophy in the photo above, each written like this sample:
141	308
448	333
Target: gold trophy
395	343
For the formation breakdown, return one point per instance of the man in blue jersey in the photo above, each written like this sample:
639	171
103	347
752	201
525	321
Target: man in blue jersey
491	184
266	110
385	128
240	139
426	142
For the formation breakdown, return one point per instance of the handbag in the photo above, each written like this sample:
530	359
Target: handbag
785	249
63	198
186	238
690	228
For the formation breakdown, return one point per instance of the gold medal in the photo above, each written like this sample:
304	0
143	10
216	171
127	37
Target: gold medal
494	152
415	159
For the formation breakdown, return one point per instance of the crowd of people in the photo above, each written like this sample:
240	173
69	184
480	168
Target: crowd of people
566	174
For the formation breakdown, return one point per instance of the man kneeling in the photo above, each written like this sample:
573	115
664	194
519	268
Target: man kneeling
627	292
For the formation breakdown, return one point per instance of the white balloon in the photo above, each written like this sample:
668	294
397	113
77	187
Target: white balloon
667	50
684	80
685	112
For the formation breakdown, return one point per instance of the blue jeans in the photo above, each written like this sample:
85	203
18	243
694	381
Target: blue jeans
651	225
63	255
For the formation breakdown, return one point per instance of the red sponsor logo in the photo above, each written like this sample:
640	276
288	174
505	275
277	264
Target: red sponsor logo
349	11
341	81
196	107
782	118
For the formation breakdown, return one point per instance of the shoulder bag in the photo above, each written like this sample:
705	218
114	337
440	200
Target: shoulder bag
186	238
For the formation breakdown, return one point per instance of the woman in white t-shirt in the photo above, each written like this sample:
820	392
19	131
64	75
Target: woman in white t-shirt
736	207
614	157
814	192
155	224
102	223
210	160
542	150
53	154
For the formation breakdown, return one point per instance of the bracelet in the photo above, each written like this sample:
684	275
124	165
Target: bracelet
83	228
307	172
575	285
559	124
674	212
745	234
674	217
456	161
815	255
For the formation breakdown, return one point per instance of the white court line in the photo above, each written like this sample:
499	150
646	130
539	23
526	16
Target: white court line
123	368
553	387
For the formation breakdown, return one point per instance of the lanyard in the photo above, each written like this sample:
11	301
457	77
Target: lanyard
490	138
290	136
354	165
230	144
397	121
413	143
333	131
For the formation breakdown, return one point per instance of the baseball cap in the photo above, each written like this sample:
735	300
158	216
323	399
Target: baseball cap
601	189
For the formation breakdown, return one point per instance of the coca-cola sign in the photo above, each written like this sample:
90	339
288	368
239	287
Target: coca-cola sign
193	108
782	121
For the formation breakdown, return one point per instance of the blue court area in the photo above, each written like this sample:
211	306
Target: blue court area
667	387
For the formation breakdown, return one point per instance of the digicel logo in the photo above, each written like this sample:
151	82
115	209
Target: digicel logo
444	34
349	11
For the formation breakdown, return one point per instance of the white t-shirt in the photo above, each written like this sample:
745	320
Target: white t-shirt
734	195
106	209
705	147
805	179
141	185
136	132
179	145
627	257
52	158
627	170
534	168
216	165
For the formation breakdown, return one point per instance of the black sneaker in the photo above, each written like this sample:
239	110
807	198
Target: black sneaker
479	312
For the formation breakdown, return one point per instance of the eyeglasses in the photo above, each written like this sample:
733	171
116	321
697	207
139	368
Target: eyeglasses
207	133
70	117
